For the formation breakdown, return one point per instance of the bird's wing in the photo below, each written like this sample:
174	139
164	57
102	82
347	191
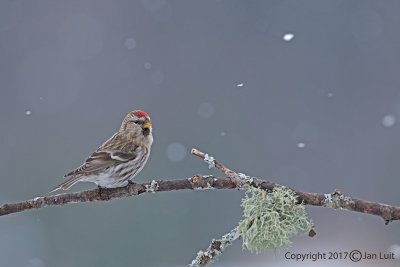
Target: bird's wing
102	160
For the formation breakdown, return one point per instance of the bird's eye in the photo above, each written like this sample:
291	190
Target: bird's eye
135	122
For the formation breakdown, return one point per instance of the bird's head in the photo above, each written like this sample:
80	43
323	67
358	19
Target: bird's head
137	124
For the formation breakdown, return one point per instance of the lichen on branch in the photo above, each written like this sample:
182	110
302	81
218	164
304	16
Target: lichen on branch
270	220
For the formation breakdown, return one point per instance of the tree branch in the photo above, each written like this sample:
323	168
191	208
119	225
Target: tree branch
106	194
235	180
334	200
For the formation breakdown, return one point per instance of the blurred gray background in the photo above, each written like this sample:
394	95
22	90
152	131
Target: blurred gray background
303	93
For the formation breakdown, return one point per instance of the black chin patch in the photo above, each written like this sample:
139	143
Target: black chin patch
146	131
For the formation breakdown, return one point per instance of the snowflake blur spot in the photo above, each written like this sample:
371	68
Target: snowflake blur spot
240	85
41	98
130	43
288	37
206	110
388	120
176	152
223	133
301	145
147	65
28	112
330	94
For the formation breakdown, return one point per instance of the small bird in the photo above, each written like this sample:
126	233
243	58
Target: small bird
120	158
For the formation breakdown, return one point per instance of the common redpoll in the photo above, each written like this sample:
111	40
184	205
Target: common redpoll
120	158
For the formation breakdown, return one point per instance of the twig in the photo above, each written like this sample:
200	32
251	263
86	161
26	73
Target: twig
241	180
218	165
215	249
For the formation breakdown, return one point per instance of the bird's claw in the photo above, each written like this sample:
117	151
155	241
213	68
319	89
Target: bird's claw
99	188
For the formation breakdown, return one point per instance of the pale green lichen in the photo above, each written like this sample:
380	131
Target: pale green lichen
327	202
244	180
200	254
337	200
210	161
152	187
271	219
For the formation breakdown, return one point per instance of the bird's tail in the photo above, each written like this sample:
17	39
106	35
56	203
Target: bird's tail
67	184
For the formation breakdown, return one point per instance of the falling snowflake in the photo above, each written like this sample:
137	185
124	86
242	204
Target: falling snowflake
130	43
288	37
388	120
301	145
176	152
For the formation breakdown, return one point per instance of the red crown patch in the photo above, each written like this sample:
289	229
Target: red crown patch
140	114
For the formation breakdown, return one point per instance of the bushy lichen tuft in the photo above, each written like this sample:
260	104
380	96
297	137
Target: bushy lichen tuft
271	219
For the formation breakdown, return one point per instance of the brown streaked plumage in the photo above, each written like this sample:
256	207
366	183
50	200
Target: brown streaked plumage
120	158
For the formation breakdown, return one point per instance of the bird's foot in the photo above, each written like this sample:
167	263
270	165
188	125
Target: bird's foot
130	182
99	188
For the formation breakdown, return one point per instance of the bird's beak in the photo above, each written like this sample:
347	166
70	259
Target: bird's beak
147	125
